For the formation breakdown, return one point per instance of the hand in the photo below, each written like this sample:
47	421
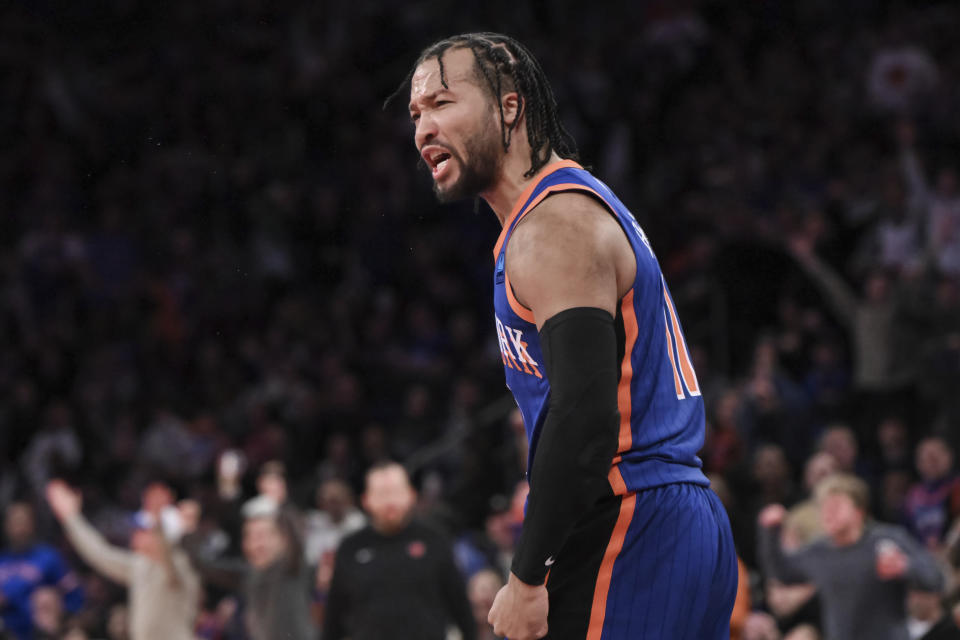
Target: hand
519	611
189	515
324	575
891	563
64	501
772	516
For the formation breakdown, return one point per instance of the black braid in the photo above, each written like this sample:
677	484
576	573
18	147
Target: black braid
506	65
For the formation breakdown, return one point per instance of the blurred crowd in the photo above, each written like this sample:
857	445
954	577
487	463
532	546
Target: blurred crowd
226	291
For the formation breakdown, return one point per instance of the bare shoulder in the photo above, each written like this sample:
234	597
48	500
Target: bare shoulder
569	251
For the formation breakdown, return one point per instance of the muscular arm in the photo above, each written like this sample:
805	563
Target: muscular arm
570	262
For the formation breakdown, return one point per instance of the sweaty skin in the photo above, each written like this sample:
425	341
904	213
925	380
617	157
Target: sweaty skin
569	252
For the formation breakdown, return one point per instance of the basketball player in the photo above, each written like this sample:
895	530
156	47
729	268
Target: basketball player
622	536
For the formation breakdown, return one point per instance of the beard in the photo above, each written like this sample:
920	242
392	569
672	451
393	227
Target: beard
483	149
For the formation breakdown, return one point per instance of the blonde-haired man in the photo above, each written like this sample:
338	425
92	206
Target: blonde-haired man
861	568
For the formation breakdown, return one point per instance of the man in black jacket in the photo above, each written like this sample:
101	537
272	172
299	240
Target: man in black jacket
396	577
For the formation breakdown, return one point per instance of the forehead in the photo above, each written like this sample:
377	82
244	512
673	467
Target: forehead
19	513
387	478
458	70
934	445
259	525
835	495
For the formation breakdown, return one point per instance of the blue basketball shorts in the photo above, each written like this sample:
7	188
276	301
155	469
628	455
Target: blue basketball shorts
657	564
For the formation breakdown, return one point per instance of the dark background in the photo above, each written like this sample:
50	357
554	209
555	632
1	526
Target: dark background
213	236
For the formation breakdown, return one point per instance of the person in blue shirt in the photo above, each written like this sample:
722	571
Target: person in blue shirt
25	565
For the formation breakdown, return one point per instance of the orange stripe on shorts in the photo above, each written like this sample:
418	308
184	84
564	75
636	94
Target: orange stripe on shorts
599	610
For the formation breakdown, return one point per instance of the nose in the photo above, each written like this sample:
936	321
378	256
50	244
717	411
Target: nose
426	130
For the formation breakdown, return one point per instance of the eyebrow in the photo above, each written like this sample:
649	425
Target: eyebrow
429	97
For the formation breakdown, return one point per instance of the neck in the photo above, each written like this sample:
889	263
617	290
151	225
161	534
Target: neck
511	181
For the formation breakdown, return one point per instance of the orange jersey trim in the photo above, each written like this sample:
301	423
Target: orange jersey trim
543	173
615	478
518	308
515	304
624	397
598	612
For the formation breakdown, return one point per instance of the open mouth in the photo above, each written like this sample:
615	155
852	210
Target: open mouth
437	159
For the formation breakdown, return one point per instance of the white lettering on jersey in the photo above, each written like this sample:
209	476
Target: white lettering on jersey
515	356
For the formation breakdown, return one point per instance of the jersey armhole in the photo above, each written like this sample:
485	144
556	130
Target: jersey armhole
524	312
518	308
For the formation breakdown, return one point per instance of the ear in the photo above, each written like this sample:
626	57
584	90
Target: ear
512	108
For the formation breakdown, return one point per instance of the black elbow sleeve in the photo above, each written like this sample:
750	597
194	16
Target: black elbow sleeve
578	439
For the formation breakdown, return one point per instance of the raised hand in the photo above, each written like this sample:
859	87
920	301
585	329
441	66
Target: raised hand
772	515
65	502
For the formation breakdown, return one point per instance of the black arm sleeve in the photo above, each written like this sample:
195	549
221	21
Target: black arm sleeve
578	439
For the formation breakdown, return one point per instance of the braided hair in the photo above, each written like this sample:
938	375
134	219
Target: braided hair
504	65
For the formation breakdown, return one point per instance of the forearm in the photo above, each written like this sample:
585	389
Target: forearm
838	293
113	562
577	441
227	574
775	563
922	570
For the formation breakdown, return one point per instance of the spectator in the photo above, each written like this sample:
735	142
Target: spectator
940	205
273	578
336	517
934	502
894	441
170	274
482	588
761	626
805	513
797	606
841	444
861	569
164	590
46	608
272	482
928	619
27	565
773	476
118	622
884	367
395	573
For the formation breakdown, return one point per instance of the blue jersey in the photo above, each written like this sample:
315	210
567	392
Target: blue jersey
23	572
661	411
